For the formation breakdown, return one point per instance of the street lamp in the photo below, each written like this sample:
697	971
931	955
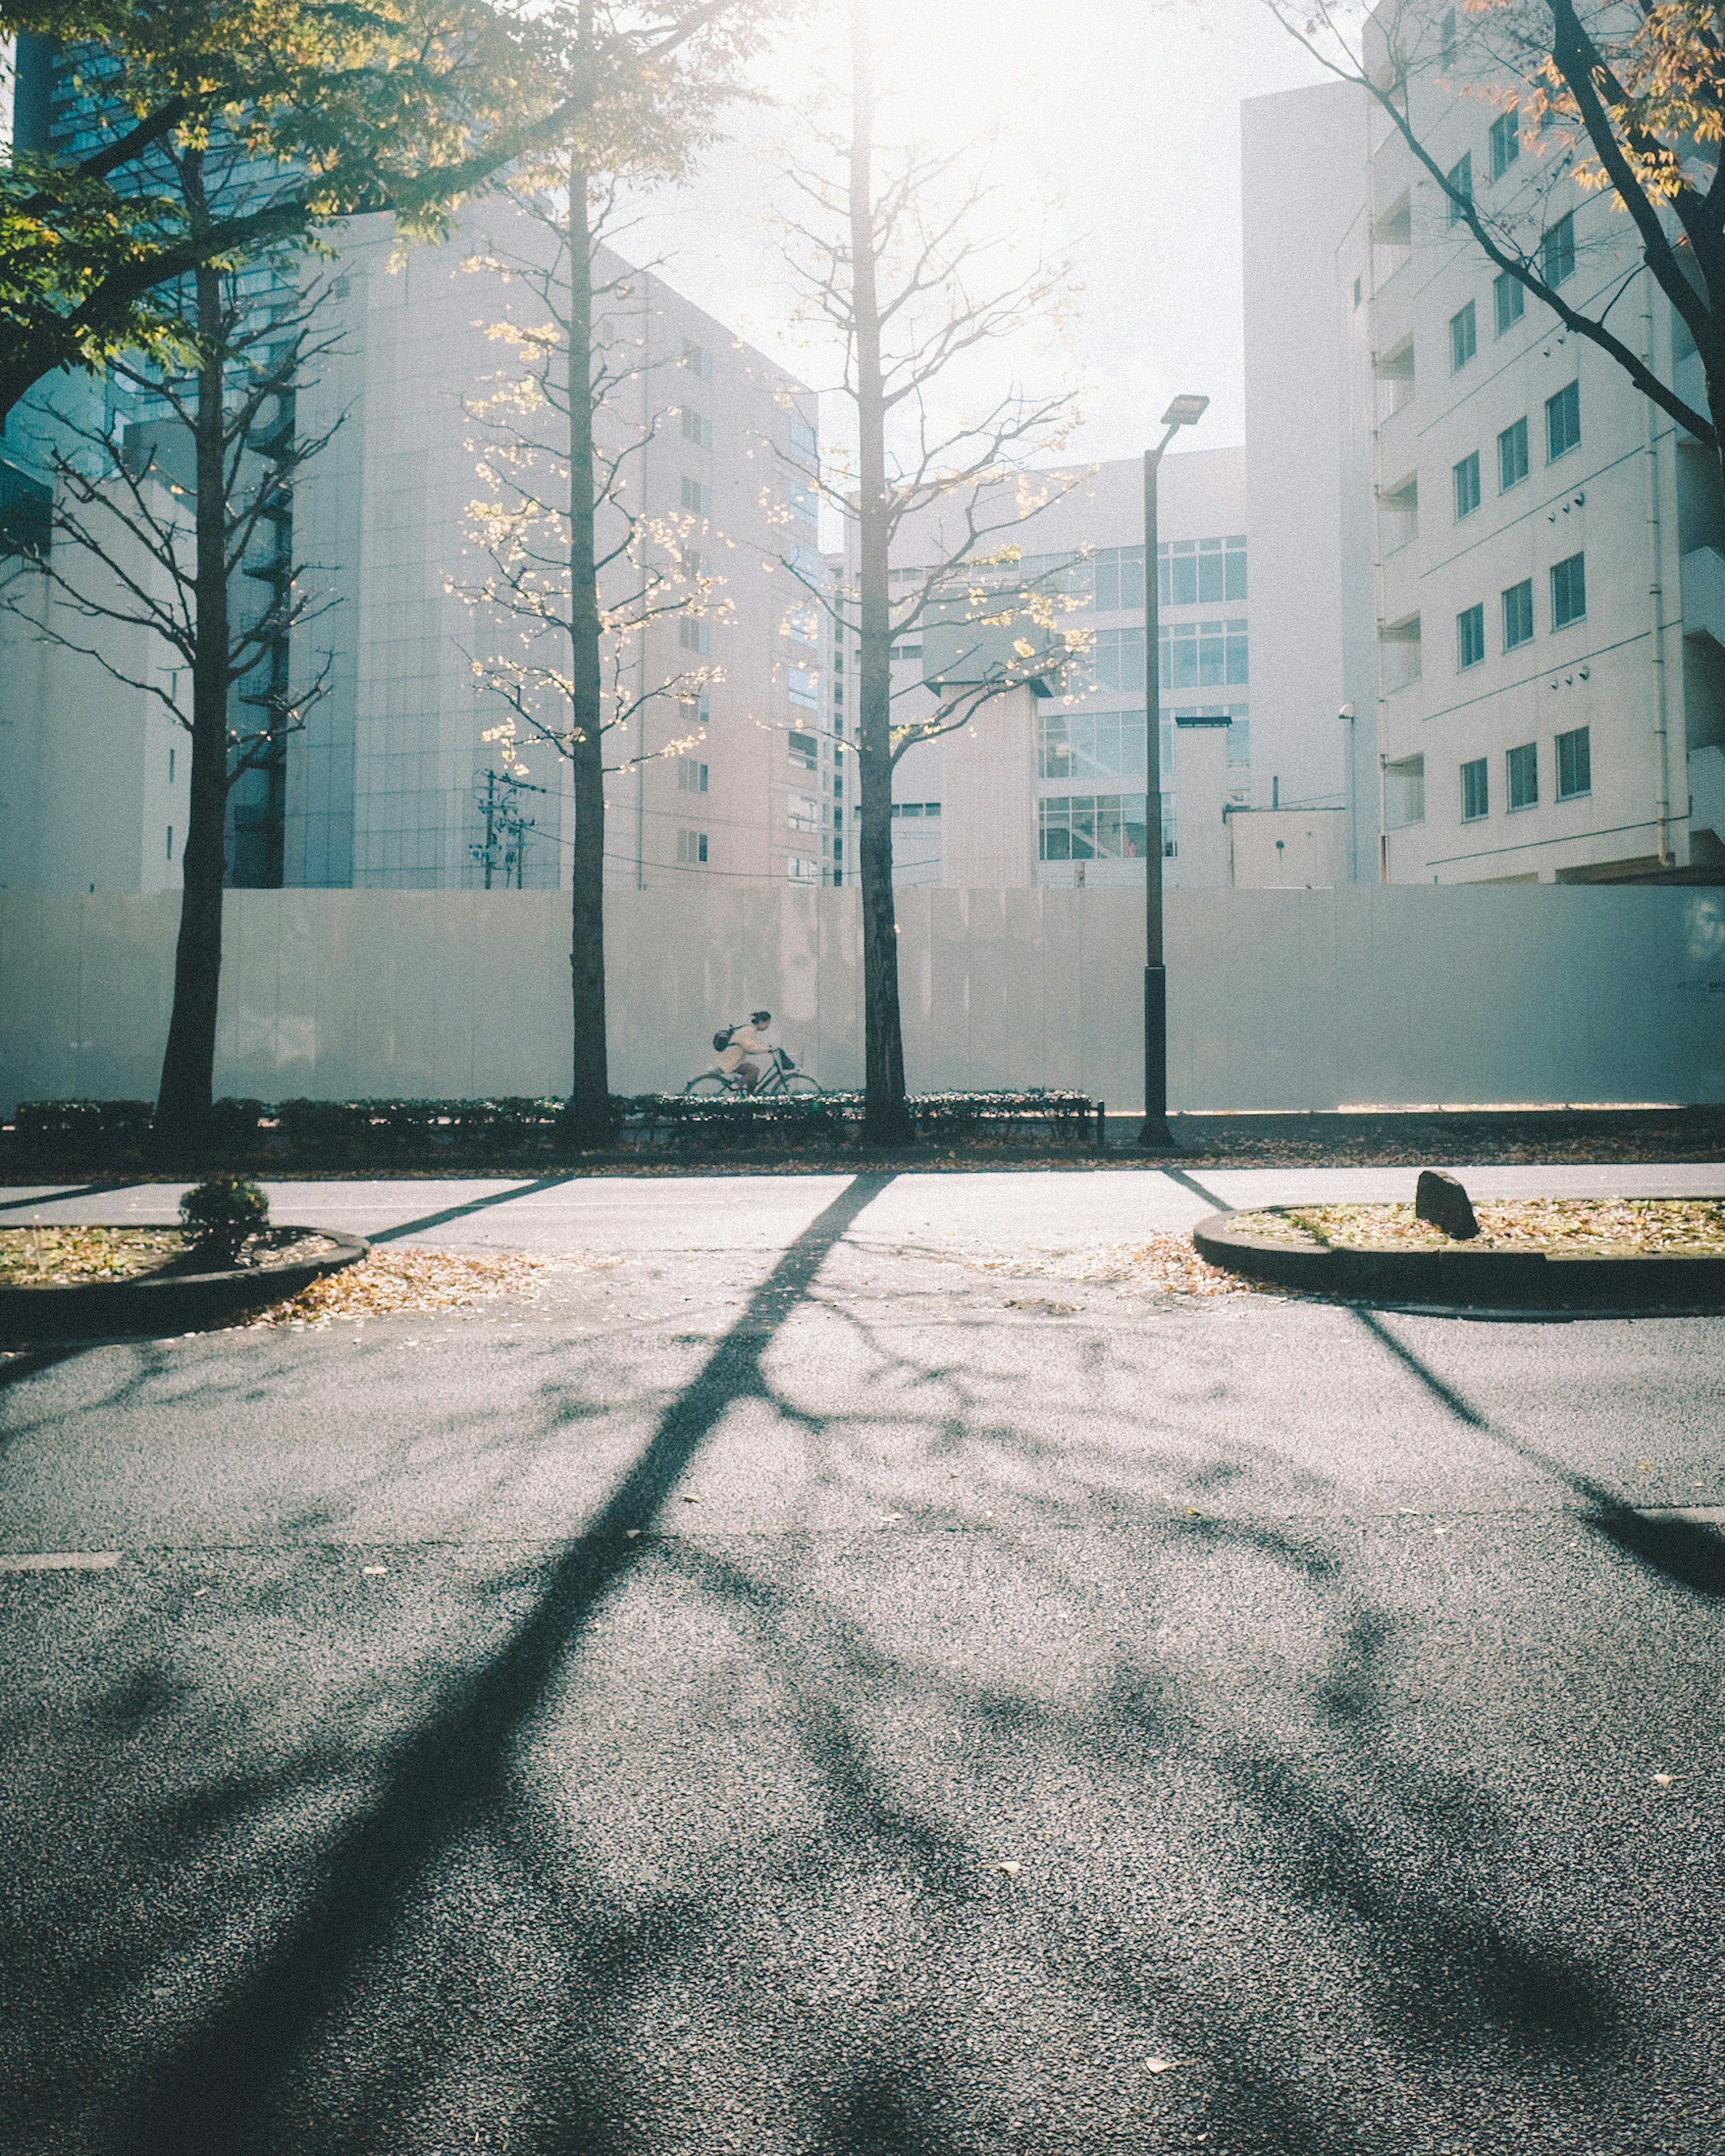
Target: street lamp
1156	1135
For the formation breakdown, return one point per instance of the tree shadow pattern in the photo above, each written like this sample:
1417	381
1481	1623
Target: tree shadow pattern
857	1769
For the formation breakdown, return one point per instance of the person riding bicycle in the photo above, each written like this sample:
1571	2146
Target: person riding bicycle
742	1042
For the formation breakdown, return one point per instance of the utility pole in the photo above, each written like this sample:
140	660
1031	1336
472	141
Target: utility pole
1155	1137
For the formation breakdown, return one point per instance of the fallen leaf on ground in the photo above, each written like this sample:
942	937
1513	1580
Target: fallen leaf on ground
1164	2066
390	1282
1165	1262
1665	1781
374	1571
691	1501
1010	1870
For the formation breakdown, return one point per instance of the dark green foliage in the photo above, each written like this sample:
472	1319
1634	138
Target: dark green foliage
46	1127
385	1134
220	1214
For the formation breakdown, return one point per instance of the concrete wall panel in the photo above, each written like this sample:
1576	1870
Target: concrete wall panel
1276	999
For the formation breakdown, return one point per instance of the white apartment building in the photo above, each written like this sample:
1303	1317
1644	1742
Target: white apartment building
1521	590
1051	790
391	783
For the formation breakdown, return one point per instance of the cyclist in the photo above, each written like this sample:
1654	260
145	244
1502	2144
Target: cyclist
741	1043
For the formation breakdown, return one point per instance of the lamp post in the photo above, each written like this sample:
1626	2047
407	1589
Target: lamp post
1156	1135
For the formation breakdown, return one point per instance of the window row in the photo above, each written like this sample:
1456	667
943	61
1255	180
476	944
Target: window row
1509	296
1192	572
1204	654
1563	433
1572	758
1094	827
1569	603
1111	744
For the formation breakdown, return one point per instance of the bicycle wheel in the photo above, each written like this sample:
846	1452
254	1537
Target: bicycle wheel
800	1087
710	1086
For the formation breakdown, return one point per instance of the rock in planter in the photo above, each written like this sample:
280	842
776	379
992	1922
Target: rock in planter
1441	1199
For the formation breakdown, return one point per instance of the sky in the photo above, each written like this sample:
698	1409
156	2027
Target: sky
1118	126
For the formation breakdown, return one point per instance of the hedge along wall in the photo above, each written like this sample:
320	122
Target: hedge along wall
1276	999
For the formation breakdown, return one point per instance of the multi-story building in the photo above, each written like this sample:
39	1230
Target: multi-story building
721	757
1050	788
1536	661
719	698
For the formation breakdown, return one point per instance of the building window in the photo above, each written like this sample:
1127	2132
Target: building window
1072	745
917	809
1506	142
1522	765
804	507
1470	637
1467	477
1475	803
1119	579
1356	291
692	633
1117	660
1518	615
1562	421
1092	827
1557	250
170	841
799	869
697	428
698	360
1190	572
1511	456
1464	342
697	499
1458	180
805	813
1203	654
804	441
1240	741
1405	793
691	775
691	849
805	750
1568	591
803	687
1509	301
1575	769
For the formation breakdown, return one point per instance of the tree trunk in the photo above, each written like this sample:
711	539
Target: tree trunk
589	1115
886	1121
188	1067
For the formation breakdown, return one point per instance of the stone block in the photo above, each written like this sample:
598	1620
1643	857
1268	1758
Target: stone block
1441	1200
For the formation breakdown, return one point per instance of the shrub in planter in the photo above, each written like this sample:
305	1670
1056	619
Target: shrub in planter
220	1214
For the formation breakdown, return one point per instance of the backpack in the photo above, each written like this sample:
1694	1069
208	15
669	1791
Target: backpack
722	1041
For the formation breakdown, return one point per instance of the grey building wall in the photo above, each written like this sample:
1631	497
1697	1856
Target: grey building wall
1308	455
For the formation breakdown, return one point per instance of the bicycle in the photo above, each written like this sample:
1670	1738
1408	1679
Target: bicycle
781	1080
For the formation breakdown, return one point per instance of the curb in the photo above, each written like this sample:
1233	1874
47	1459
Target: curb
185	1302
1531	1282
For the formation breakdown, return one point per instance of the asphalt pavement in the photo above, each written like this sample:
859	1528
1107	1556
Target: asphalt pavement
798	1687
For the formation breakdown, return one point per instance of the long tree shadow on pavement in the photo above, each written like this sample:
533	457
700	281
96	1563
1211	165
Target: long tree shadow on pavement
442	1780
1685	1551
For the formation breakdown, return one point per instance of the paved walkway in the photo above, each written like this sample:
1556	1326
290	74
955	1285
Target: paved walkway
764	1213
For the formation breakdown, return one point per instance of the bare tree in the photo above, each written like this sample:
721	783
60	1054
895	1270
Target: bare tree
562	520
556	524
899	265
155	524
1623	99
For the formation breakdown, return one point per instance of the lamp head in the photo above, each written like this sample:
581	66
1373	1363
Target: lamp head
1346	711
1185	412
